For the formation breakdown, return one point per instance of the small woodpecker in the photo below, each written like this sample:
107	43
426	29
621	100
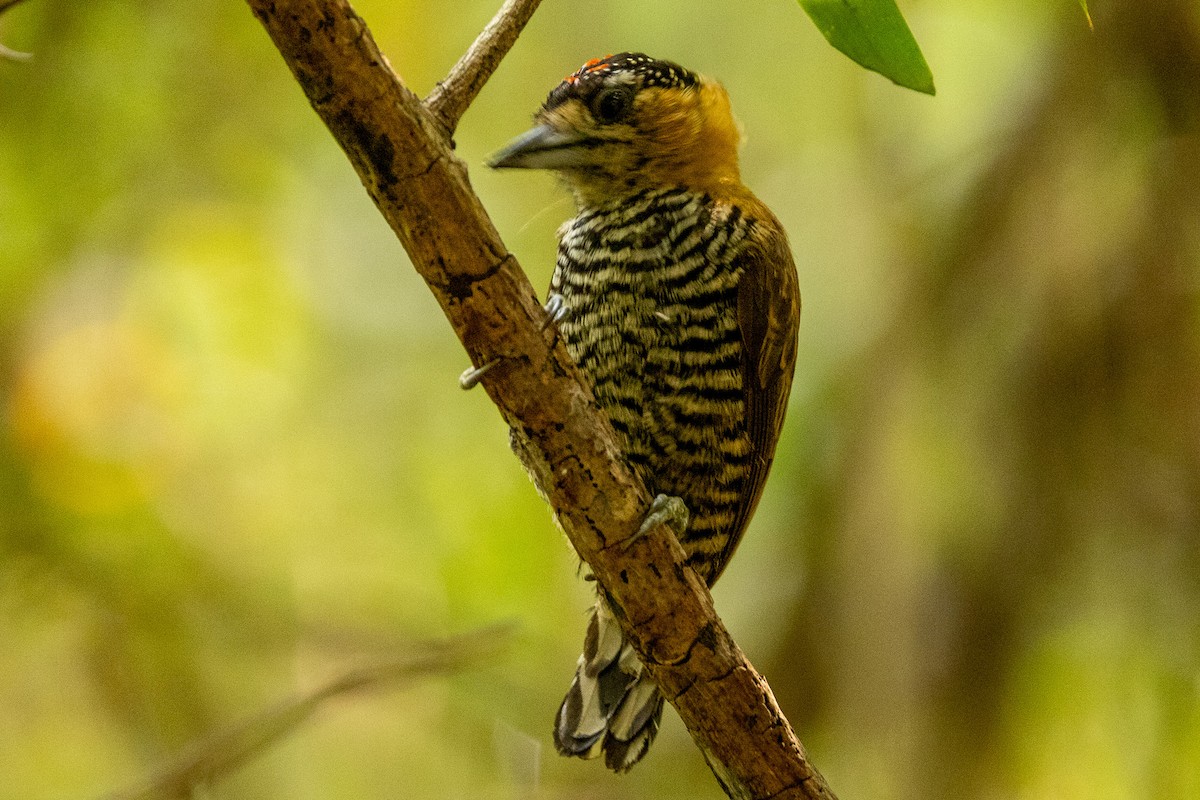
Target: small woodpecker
676	294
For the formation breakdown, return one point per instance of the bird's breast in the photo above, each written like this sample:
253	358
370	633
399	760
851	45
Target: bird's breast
650	290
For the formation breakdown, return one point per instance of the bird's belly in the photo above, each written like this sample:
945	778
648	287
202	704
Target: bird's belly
670	379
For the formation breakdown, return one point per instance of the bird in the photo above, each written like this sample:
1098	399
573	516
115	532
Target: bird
675	292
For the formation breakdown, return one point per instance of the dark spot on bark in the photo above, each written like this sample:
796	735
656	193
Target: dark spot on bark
377	151
654	568
305	35
318	88
382	153
708	637
460	287
624	576
559	372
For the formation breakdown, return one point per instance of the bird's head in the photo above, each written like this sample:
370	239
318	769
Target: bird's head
628	122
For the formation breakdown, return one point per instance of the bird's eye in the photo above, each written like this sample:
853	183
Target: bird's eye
611	105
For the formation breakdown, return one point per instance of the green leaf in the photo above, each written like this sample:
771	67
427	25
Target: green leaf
873	33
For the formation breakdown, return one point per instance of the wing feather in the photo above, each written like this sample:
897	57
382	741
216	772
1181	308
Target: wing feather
769	318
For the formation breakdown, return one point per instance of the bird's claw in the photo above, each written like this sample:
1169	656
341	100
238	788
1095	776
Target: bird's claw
556	309
665	510
473	375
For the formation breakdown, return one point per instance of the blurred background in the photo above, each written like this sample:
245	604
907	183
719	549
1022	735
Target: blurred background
235	461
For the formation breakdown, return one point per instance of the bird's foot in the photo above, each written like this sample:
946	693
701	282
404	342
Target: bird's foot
665	510
473	375
556	310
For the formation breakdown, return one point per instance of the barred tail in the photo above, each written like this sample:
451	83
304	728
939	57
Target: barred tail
612	706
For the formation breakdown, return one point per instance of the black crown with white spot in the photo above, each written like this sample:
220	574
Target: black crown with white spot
592	76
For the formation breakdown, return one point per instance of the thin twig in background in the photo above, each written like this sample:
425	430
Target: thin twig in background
207	761
14	55
8	52
452	96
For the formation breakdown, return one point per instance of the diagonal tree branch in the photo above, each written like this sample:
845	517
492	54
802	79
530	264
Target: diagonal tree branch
451	97
403	156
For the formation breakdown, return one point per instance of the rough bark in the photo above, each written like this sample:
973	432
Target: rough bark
403	154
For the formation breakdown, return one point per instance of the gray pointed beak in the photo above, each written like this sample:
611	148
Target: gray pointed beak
541	147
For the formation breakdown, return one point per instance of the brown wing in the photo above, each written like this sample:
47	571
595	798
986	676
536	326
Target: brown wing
769	317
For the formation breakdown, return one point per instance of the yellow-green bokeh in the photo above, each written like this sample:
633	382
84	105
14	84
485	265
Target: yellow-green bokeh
234	458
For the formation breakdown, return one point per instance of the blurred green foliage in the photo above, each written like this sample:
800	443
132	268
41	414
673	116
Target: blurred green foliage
234	459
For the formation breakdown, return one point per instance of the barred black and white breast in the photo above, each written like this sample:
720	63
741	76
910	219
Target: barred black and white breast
650	292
